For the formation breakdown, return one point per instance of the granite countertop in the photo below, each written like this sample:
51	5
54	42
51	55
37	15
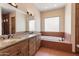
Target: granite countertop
7	42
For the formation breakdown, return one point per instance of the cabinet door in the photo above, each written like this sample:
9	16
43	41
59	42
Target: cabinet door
5	24
38	41
24	48
32	46
13	25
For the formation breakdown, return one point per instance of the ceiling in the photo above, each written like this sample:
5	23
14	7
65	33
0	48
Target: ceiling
40	7
48	6
6	10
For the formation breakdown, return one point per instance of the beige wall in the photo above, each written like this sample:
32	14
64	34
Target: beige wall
36	13
73	28
68	14
70	24
53	13
68	18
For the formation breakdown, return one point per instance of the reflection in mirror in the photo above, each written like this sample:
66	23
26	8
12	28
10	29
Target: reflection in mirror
13	25
7	21
14	21
30	22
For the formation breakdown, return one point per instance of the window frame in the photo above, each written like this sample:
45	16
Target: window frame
52	17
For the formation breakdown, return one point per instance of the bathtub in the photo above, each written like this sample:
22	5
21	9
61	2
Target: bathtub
57	43
52	38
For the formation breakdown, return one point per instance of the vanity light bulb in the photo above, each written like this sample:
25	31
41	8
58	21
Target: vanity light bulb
4	20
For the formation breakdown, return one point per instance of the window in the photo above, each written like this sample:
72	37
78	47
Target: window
32	25
52	24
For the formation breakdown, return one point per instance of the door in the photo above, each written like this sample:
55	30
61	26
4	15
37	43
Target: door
12	25
5	24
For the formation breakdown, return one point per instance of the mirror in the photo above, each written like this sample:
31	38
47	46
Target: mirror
12	21
31	23
8	21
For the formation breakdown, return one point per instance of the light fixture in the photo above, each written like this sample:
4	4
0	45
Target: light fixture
13	4
29	13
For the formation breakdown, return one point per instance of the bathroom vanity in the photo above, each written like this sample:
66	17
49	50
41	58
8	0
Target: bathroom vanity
26	45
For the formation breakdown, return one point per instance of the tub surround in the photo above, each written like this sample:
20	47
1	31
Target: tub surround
56	34
62	46
57	43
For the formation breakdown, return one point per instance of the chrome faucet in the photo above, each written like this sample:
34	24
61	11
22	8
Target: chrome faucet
10	36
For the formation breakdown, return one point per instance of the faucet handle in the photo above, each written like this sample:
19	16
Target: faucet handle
10	36
2	37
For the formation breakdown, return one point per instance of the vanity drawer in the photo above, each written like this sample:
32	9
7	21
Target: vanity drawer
23	48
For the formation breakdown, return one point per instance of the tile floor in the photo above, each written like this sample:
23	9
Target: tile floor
51	52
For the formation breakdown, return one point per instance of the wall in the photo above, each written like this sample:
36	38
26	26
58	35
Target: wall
20	22
32	9
0	22
53	13
73	29
68	22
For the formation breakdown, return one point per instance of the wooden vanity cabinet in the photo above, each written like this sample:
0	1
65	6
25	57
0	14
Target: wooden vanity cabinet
23	46
19	49
32	46
27	47
38	41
